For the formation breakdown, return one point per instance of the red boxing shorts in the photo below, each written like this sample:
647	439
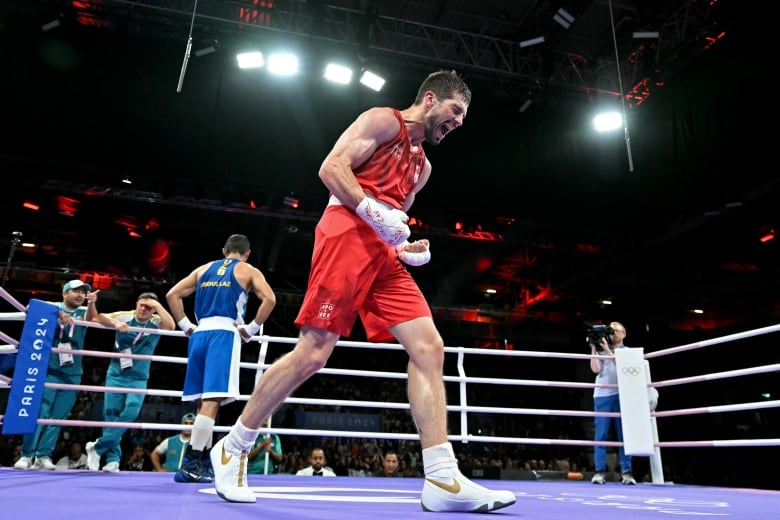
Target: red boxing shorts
353	272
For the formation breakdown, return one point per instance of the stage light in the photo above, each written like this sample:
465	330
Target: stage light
338	74
608	121
67	206
563	18
250	60
51	25
291	202
372	81
532	41
525	105
283	64
205	51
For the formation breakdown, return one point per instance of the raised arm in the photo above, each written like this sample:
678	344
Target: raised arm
166	320
354	147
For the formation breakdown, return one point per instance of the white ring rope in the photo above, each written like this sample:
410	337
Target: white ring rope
719	375
721	408
714	341
5	337
13	301
462	379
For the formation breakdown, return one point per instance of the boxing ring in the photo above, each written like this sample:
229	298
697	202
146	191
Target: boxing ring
86	494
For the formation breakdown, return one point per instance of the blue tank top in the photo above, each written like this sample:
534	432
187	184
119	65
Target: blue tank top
175	453
219	293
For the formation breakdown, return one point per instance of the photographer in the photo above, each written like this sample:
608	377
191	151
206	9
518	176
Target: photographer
603	342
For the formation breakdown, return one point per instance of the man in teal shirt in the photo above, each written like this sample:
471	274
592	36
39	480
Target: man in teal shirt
127	372
64	367
265	444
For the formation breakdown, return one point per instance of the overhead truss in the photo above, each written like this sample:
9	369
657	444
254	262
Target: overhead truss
688	32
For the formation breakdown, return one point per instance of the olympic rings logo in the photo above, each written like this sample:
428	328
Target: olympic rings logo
632	371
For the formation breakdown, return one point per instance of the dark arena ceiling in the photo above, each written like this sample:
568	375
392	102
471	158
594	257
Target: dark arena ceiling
525	199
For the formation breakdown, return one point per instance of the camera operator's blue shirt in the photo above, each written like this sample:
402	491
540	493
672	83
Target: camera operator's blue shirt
607	375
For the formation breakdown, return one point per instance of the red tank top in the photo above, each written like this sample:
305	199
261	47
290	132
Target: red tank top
394	169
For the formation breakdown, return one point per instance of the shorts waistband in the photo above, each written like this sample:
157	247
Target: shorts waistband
216	323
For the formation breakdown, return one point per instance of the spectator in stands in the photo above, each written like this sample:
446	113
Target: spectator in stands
389	465
317	467
139	460
77	459
168	455
270	445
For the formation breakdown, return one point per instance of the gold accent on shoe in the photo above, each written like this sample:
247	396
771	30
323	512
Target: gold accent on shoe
450	488
241	469
225	457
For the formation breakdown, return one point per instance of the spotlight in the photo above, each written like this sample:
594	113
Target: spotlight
291	202
250	60
563	18
283	64
51	25
532	41
338	74
205	50
372	81
608	121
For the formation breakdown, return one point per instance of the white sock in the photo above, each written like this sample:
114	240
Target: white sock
439	461
202	430
241	438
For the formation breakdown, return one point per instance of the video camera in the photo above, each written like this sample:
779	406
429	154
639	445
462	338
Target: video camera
596	332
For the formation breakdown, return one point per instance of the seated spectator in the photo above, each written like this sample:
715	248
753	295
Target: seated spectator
317	467
389	465
138	460
173	448
76	460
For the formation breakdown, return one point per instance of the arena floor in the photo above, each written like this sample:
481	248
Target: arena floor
87	495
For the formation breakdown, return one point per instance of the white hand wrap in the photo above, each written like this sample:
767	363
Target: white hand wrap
414	259
185	324
388	222
253	328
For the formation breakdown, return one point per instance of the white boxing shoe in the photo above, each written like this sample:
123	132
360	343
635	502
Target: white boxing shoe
93	457
23	463
230	474
459	494
111	467
44	463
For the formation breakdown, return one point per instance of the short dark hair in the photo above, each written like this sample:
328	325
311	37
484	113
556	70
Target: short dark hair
149	295
237	244
445	84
